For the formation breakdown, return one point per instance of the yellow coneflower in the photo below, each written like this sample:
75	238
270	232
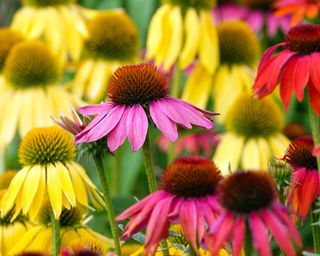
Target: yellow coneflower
239	52
253	135
48	168
73	231
60	23
182	30
112	42
30	90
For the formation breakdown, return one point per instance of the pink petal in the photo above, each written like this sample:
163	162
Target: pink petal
314	96
118	135
137	126
201	220
147	202
158	225
301	76
213	203
238	235
188	221
165	125
279	231
259	235
272	24
316	151
95	109
315	70
255	20
136	223
268	54
173	215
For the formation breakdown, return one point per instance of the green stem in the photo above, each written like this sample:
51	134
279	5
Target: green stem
152	182
248	246
191	250
314	123
55	234
98	159
116	174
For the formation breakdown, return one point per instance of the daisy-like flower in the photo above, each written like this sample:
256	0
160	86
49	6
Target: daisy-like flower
187	196
251	207
253	135
30	90
296	67
239	52
298	9
182	30
73	230
305	180
60	23
138	94
112	42
48	168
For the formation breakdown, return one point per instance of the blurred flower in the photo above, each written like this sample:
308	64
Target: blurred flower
294	130
30	90
305	180
73	126
301	52
47	156
194	143
183	30
60	23
112	42
73	230
239	52
316	151
253	135
250	206
257	19
187	197
297	8
136	93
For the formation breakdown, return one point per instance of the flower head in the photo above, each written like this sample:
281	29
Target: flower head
47	156
187	196
86	247
305	180
301	52
138	94
250	203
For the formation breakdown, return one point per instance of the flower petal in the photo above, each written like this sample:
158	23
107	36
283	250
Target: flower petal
314	96
238	235
301	75
315	70
95	109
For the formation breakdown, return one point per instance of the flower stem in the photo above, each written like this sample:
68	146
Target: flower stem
152	182
55	234
116	174
98	159
314	123
248	247
192	251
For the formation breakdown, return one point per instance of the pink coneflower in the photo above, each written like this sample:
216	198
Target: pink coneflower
295	67
187	197
251	207
138	94
305	179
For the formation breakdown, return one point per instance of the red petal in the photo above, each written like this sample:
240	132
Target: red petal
301	75
314	96
315	70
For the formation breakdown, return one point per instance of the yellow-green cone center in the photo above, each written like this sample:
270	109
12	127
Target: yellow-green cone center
198	4
46	145
251	117
237	42
31	64
44	3
113	36
8	38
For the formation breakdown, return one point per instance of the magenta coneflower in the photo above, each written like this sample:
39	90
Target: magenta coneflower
295	67
305	179
138	94
251	207
187	196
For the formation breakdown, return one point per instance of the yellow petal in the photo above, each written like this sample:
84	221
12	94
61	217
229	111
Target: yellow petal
250	156
30	187
25	120
264	152
175	41
54	190
246	76
198	87
82	173
37	24
79	187
154	37
66	183
278	144
192	32
78	86
228	152
21	20
15	187
208	48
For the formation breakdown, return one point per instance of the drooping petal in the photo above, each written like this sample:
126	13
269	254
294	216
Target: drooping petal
136	126
250	155
165	125
315	70
238	235
316	151
54	190
95	109
314	96
259	234
301	75
268	54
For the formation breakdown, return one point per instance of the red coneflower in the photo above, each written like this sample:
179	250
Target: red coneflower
305	178
295	67
250	206
187	197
